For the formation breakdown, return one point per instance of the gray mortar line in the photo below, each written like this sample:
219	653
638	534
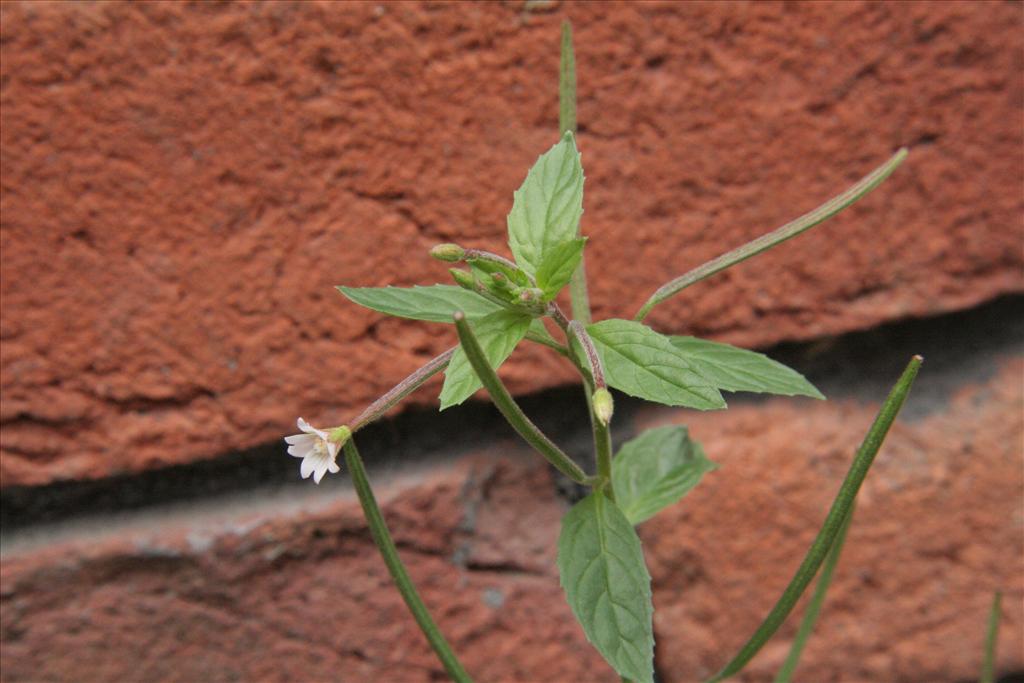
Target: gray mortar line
960	349
237	512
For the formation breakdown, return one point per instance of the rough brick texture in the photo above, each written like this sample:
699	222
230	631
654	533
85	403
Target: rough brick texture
183	184
280	591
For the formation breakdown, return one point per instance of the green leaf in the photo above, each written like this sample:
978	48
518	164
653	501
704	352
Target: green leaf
645	364
436	303
498	334
547	207
655	470
601	568
736	369
558	265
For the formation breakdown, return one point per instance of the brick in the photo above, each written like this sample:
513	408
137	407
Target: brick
185	184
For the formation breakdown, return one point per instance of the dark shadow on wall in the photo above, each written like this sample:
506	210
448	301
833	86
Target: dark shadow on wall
959	348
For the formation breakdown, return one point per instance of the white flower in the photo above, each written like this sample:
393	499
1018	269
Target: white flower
316	449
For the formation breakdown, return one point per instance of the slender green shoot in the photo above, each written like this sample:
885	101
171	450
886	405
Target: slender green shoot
765	242
840	510
567	83
510	409
386	545
785	674
567	122
988	666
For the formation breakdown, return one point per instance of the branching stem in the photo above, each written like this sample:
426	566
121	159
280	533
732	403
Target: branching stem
510	409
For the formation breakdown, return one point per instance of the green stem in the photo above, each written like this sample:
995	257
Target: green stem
603	446
988	667
567	122
510	409
547	341
765	242
840	510
382	537
567	83
408	385
814	607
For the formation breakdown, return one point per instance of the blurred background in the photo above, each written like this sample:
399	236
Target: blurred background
183	185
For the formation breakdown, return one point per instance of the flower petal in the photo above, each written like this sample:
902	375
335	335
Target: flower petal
305	426
306	468
319	472
300	450
297	438
333	468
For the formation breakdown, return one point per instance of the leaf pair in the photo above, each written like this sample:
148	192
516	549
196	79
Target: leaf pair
601	567
498	329
686	371
600	561
542	235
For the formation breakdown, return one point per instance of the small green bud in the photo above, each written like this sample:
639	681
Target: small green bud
529	295
340	435
452	253
502	284
603	405
463	279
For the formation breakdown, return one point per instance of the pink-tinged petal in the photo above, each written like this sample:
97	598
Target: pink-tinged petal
333	449
306	468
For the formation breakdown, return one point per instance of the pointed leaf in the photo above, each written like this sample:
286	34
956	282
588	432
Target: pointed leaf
558	265
498	334
601	568
655	470
436	303
735	369
547	207
645	364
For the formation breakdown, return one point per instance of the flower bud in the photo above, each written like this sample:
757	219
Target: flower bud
463	279
530	295
603	405
452	253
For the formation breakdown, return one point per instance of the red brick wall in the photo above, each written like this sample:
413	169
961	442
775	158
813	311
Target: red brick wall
183	185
